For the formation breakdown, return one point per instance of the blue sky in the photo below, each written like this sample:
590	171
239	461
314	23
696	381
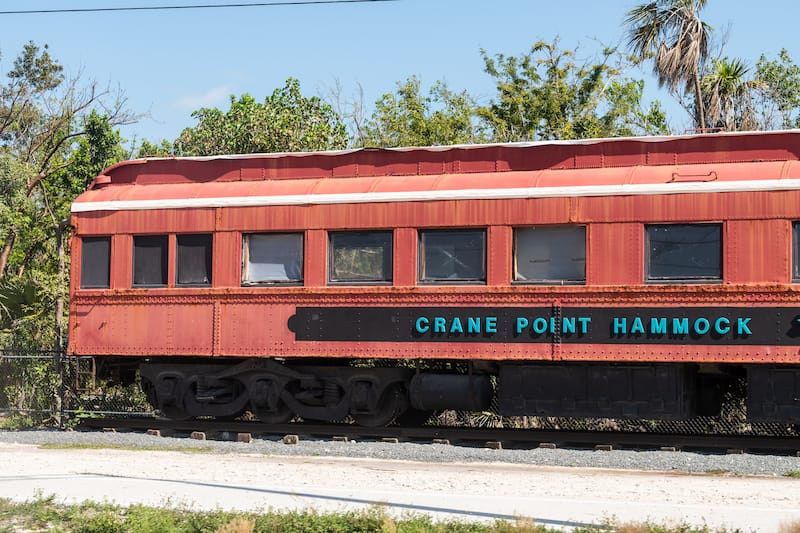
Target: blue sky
172	62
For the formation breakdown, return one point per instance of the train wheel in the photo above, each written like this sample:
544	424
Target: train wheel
280	415
266	404
170	395
391	404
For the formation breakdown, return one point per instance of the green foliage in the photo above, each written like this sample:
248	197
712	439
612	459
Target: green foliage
726	95
46	514
546	94
671	34
287	121
409	118
777	92
30	390
148	149
52	143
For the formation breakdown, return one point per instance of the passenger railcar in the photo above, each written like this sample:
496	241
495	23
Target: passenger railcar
618	278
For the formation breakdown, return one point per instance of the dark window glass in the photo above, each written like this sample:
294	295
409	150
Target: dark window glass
193	260
150	260
684	252
361	256
796	251
550	254
452	255
95	262
272	258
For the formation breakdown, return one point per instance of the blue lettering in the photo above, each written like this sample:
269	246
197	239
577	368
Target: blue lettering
439	325
422	325
620	326
680	326
637	326
473	325
742	327
456	326
491	324
569	325
539	325
720	328
584	320
658	326
701	326
522	323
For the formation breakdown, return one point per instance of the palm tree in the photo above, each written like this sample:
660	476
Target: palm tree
672	34
727	95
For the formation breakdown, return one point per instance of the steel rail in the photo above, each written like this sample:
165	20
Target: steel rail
511	438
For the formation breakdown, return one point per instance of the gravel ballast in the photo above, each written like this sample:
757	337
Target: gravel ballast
666	461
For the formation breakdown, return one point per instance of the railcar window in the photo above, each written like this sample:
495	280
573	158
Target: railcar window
272	258
95	262
360	257
550	254
150	261
684	252
452	255
193	260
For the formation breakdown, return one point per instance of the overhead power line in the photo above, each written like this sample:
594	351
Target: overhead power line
195	6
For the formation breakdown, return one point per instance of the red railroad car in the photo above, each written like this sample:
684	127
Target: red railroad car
621	277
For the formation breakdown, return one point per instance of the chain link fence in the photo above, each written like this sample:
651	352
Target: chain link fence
41	388
50	389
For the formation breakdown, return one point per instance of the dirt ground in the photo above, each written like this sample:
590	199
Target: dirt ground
555	496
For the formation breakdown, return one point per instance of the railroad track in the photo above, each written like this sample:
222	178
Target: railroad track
487	437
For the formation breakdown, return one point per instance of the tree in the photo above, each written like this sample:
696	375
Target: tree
727	96
53	131
546	94
287	121
777	92
409	118
671	33
148	149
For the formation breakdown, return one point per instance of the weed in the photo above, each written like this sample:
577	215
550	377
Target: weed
84	446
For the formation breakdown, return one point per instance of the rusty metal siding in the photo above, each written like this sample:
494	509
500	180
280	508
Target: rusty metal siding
405	257
253	322
615	254
757	250
227	259
230	320
315	262
697	149
121	261
499	255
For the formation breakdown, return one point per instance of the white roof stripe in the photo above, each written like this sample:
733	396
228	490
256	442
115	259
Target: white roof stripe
438	195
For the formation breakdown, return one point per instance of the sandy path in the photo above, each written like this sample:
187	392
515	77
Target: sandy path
550	495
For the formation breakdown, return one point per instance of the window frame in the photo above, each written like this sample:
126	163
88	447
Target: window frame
209	259
515	256
688	280
164	261
276	282
95	238
422	259
388	266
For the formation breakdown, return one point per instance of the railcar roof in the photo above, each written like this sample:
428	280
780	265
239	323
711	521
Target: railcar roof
643	165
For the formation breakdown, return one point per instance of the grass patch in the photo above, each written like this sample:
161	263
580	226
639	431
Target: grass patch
86	446
45	514
792	473
718	472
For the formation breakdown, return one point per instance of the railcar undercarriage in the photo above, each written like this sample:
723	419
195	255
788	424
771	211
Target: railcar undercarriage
275	391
